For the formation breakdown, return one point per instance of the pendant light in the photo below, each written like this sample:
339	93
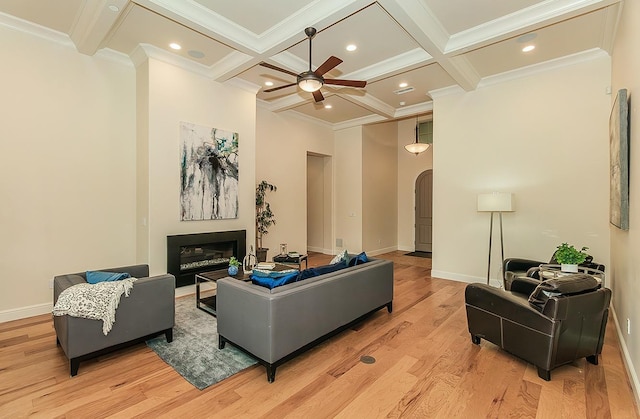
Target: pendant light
416	147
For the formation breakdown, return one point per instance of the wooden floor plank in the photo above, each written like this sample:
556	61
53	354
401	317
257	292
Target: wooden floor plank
426	366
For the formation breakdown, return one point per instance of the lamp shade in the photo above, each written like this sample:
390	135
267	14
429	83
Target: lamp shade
310	82
495	202
416	148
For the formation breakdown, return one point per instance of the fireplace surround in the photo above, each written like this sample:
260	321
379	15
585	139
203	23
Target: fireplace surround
189	254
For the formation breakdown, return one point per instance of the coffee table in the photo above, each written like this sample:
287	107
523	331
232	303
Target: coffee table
206	286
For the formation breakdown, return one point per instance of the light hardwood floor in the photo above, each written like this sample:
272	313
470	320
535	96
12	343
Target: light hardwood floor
426	367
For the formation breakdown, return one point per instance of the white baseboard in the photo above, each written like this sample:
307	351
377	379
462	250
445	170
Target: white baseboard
24	312
628	363
320	250
377	252
465	278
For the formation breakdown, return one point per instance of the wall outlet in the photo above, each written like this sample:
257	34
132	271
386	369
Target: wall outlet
51	284
628	326
338	242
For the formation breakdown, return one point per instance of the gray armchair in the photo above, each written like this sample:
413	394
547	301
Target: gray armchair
148	310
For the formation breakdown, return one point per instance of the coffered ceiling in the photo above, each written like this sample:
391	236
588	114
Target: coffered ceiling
428	44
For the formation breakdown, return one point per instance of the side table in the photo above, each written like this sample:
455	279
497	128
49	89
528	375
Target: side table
293	261
550	271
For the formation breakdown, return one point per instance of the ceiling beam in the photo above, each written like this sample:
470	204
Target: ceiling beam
94	23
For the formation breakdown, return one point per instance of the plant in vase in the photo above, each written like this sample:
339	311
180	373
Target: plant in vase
264	217
234	264
569	257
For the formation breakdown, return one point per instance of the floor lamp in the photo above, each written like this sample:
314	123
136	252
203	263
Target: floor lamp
495	202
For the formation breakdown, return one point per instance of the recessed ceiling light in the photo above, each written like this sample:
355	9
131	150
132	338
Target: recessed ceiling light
195	53
328	106
403	84
402	103
528	37
351	47
113	8
173	45
528	48
268	83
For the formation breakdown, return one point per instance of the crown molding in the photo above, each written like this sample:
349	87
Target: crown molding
446	91
151	51
569	60
400	63
196	16
417	109
543	13
244	85
357	122
20	25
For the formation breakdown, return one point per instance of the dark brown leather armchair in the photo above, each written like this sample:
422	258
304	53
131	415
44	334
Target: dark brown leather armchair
547	323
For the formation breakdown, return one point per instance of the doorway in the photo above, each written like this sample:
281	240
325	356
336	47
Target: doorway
319	193
424	213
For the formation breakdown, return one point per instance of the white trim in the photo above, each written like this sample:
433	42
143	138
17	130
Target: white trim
446	91
542	13
626	357
465	278
382	251
34	29
24	312
569	60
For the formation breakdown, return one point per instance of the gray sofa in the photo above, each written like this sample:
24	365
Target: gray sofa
276	325
148	310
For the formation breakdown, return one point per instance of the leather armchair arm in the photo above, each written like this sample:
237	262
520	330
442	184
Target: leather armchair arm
523	285
520	265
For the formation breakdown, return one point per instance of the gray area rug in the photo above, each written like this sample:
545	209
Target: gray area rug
194	352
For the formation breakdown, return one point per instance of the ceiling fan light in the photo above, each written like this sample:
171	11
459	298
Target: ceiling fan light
310	82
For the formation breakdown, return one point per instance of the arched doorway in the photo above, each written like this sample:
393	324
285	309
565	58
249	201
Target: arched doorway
424	213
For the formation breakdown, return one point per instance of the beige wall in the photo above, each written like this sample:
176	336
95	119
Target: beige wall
409	168
543	137
380	188
67	167
174	96
348	187
282	145
624	271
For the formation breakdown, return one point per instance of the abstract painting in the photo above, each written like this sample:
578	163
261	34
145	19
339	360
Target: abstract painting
619	162
208	173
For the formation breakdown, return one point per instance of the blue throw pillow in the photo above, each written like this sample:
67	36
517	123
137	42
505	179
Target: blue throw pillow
272	281
358	260
321	270
93	277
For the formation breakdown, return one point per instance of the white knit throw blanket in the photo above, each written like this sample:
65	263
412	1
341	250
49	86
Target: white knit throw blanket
94	301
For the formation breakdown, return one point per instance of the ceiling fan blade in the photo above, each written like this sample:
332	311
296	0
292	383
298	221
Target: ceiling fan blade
317	95
331	63
350	83
278	88
273	67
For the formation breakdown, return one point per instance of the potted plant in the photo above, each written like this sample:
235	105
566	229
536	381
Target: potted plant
264	218
234	264
569	257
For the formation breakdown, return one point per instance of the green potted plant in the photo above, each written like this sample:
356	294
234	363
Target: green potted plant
569	257
234	264
264	218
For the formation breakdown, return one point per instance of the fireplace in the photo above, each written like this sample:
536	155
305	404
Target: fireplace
189	254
